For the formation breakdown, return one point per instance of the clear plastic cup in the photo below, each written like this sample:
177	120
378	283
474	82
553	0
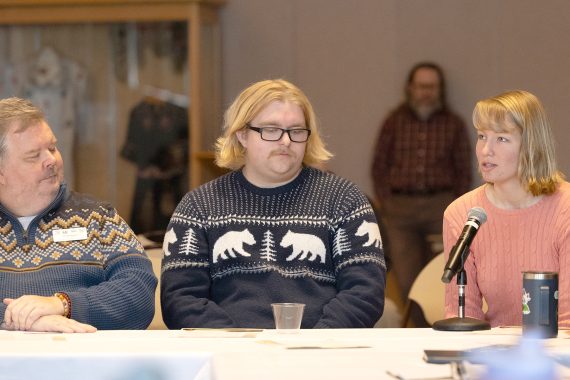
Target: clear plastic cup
288	316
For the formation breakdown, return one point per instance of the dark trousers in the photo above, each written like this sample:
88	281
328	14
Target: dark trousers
409	220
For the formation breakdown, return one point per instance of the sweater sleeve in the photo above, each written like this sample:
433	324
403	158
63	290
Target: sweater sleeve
2	311
185	280
124	299
185	302
359	266
360	298
562	227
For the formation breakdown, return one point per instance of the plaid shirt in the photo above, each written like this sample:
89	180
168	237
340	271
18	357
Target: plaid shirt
421	157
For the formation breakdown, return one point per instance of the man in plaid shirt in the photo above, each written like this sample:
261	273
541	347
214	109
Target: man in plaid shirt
422	162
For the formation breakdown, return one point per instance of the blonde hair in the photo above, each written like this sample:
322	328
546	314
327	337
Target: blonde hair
537	169
249	103
19	113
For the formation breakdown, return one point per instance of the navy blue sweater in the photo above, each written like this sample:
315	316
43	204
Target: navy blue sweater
231	249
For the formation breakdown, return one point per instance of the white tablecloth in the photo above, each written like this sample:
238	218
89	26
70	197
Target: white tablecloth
206	354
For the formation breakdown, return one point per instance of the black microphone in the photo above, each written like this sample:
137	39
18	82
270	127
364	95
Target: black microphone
475	219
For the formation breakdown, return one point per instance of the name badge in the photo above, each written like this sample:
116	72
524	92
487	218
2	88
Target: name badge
70	234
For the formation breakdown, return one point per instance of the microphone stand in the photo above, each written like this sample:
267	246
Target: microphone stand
461	323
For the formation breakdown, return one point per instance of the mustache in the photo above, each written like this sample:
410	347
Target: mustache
281	151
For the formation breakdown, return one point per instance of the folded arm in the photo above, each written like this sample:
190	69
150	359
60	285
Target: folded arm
360	298
185	300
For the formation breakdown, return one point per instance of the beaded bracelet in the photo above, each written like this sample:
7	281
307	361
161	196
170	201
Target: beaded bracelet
66	301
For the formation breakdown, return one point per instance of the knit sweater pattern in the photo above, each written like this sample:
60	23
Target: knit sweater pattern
535	238
106	273
232	249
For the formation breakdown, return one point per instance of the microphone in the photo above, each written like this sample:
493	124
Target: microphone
475	219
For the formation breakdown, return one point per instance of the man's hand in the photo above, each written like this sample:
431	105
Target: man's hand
21	313
56	323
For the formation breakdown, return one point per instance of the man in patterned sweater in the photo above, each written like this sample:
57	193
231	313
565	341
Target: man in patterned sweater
276	229
68	263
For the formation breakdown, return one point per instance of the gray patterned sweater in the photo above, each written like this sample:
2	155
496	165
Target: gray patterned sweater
107	275
231	249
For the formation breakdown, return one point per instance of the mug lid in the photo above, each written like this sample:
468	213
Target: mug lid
535	275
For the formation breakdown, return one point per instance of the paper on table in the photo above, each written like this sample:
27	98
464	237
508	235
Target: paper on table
220	333
293	344
30	335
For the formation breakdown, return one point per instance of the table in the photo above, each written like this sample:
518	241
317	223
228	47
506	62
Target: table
220	355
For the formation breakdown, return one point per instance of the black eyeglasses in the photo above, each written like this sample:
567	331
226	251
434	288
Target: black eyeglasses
275	134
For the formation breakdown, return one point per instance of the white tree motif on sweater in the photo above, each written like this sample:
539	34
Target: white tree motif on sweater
341	243
268	245
189	243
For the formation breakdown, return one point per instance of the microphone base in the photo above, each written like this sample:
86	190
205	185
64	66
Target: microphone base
461	324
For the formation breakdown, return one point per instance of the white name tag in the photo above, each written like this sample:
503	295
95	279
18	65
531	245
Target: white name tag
70	234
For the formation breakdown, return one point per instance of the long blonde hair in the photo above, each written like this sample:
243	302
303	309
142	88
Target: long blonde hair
249	103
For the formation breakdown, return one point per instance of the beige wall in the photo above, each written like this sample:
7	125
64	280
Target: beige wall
351	58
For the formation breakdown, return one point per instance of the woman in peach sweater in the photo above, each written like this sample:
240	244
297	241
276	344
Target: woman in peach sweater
527	203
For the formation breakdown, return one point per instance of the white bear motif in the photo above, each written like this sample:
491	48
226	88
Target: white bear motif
373	232
169	238
232	242
303	245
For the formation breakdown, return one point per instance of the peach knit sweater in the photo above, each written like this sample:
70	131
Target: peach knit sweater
510	242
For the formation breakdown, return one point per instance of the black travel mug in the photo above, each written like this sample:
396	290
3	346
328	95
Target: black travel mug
540	304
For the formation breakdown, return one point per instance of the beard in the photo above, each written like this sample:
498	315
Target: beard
424	111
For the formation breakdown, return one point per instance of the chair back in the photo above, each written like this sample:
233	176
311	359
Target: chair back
155	256
428	291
